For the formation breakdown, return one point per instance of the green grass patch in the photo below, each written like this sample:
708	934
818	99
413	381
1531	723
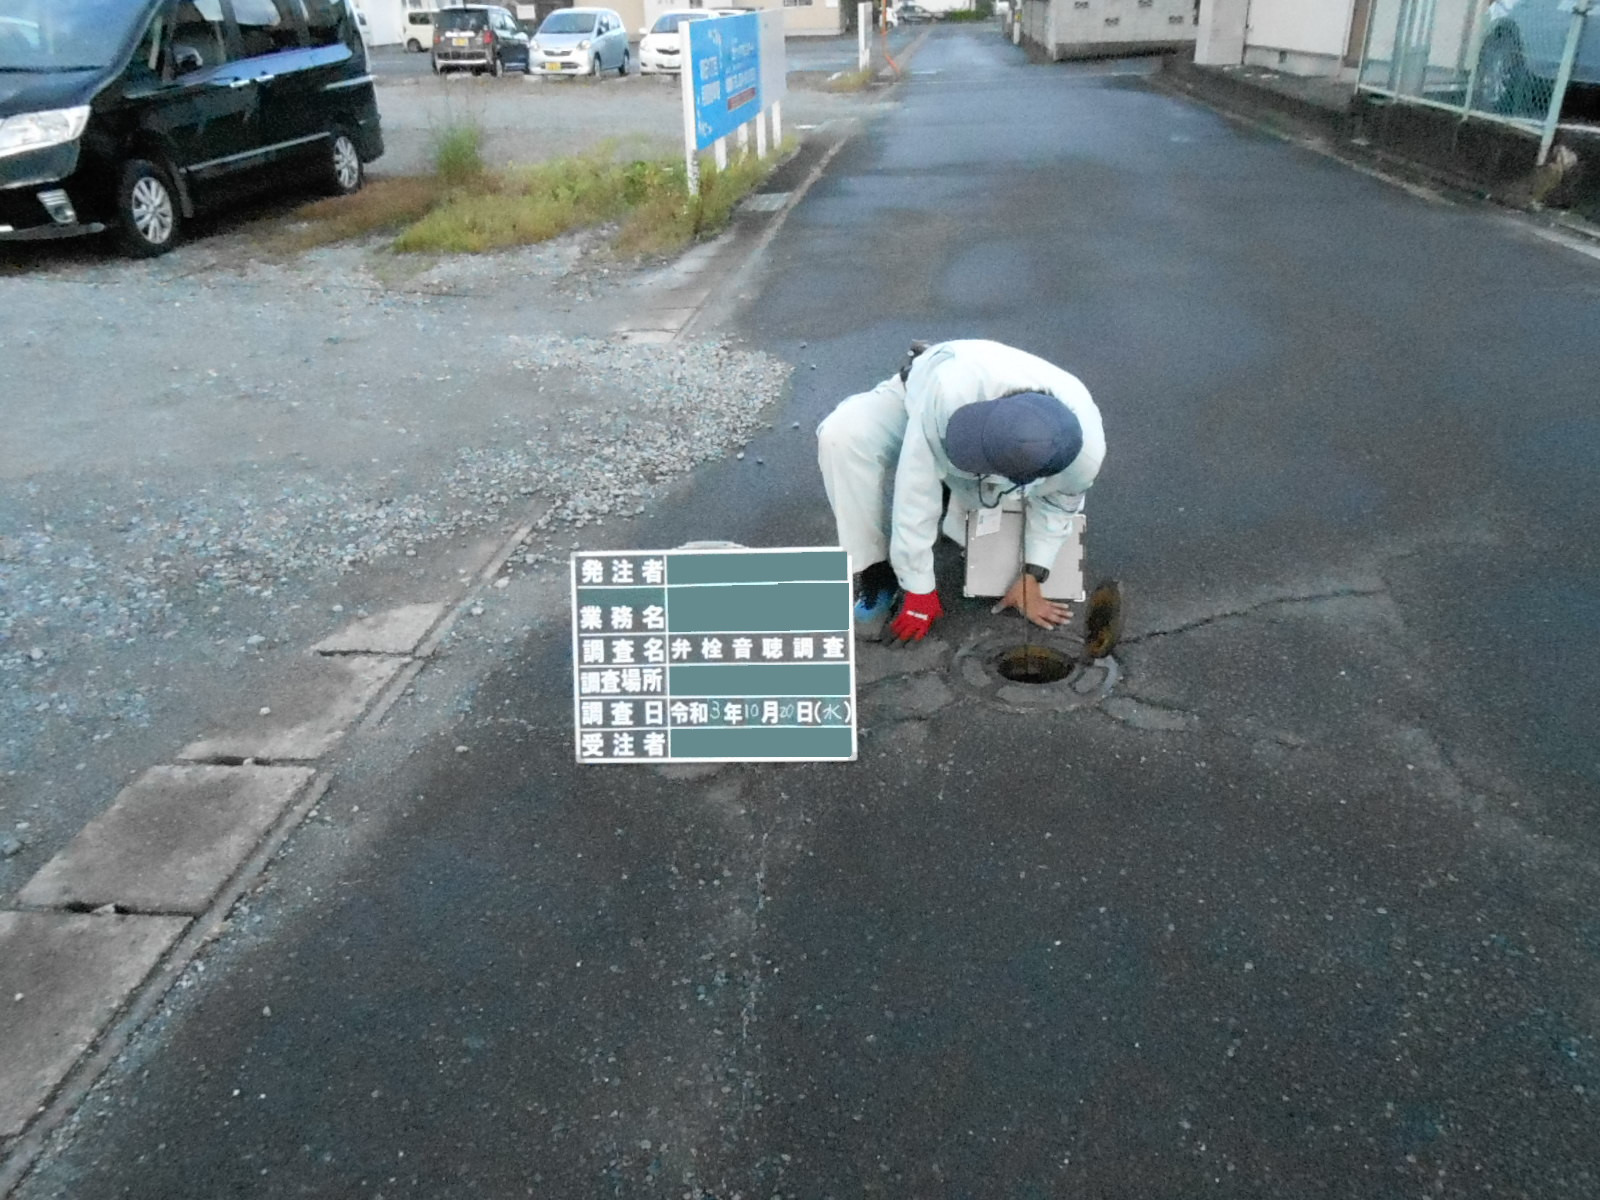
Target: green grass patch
458	154
463	207
382	206
667	218
647	199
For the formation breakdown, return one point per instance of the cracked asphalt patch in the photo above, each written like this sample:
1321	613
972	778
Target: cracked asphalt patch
1235	670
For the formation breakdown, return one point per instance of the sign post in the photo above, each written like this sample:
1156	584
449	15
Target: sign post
734	67
727	655
691	156
774	70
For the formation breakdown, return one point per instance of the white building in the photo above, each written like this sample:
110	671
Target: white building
1300	37
1106	28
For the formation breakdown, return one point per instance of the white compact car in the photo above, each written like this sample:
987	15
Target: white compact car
580	41
659	48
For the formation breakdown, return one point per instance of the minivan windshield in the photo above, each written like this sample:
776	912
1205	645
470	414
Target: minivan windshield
568	22
460	20
668	22
63	35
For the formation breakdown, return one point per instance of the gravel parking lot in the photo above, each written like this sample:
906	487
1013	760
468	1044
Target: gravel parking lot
531	117
214	458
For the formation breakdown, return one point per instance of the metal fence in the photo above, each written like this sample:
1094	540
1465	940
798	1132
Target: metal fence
1521	62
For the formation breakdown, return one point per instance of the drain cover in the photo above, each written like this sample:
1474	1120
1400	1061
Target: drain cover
765	201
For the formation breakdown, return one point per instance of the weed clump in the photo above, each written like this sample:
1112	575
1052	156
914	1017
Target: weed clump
466	208
458	154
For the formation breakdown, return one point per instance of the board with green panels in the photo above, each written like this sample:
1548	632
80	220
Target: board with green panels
713	655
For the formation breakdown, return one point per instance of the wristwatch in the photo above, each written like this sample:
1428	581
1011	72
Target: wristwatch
1040	574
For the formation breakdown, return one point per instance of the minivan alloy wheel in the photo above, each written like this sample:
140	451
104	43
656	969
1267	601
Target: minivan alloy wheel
148	212
150	206
346	161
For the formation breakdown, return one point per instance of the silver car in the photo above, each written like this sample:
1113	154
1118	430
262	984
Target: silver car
1522	53
580	41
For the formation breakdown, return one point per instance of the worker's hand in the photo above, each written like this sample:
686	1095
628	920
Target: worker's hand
1024	596
917	612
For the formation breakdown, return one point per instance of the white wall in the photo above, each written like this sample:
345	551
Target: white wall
384	21
1305	26
1219	38
1303	37
1085	28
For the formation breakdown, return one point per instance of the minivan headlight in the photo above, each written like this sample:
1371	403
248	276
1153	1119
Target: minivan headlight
583	45
38	130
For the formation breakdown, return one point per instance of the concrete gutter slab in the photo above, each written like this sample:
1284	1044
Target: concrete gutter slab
170	840
658	319
325	697
62	979
397	631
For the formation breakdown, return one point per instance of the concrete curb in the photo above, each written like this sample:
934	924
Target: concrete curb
142	999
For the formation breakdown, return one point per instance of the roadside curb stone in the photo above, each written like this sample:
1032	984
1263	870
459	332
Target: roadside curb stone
397	631
62	978
169	841
319	706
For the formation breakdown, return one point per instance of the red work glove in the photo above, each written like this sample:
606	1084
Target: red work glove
917	612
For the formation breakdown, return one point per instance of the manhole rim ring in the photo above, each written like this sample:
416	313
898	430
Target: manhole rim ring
984	648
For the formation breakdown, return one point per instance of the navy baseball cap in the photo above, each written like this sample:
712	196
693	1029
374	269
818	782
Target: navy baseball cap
1024	437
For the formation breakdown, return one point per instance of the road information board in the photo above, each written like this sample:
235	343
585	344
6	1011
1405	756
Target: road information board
725	655
725	67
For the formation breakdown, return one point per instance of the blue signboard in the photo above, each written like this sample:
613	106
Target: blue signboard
725	72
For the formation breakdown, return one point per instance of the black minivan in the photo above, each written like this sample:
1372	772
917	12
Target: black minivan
130	115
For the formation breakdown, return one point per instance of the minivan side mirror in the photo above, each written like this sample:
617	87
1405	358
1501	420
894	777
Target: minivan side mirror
186	59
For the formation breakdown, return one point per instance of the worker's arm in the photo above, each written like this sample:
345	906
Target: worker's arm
1048	522
914	516
1048	525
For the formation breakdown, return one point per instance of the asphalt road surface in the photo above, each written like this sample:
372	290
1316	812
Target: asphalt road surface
1308	909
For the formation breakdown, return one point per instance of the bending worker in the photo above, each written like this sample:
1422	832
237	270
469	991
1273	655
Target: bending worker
983	419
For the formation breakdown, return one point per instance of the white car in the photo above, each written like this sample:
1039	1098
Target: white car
580	41
659	48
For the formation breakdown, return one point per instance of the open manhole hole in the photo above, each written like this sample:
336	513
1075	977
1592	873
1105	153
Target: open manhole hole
1045	674
1033	664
